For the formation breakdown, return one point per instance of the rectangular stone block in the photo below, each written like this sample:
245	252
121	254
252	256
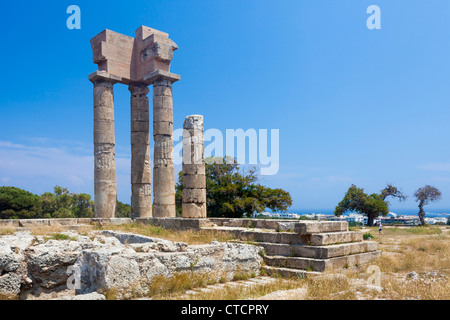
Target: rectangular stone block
141	200
165	115
140	126
106	126
142	115
194	210
164	185
162	102
194	169
163	147
101	137
344	249
273	237
194	195
105	174
9	223
160	163
310	227
164	211
323	239
84	220
123	46
141	173
101	113
193	154
140	105
103	97
194	181
140	138
162	91
163	128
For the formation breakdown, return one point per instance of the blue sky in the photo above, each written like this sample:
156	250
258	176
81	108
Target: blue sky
353	105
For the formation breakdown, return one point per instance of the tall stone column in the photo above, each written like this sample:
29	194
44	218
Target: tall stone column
163	170
141	196
194	179
104	147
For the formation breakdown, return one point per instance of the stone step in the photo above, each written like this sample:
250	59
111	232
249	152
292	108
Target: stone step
288	272
328	238
310	227
318	252
262	235
321	265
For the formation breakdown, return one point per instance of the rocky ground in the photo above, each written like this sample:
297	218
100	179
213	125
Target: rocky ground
113	264
105	261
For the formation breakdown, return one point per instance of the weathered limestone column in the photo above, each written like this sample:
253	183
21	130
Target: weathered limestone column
141	184
194	179
104	146
163	169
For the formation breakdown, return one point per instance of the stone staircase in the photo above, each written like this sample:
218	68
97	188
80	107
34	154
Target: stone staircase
301	248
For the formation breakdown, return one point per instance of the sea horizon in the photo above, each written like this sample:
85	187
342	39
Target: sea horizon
405	212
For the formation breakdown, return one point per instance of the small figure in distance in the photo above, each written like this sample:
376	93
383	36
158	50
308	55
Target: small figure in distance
380	227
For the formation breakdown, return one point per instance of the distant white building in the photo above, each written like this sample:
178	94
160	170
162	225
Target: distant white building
284	215
392	214
355	218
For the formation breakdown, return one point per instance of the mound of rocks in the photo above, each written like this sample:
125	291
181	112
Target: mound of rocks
34	267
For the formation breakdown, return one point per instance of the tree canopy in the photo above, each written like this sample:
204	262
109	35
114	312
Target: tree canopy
373	205
424	196
232	191
16	203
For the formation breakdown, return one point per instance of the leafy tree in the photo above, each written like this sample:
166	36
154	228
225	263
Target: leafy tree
63	204
63	213
17	203
373	205
391	191
356	200
123	210
20	204
424	196
83	206
232	191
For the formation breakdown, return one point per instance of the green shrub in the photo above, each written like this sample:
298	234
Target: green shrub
368	236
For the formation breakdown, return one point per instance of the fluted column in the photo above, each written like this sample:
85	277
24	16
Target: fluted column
163	170
141	196
194	179
104	149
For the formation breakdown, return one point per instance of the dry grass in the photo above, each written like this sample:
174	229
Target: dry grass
409	250
399	289
252	292
4	231
162	288
4	297
329	287
191	237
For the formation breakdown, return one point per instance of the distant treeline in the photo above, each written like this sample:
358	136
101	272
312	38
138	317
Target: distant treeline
16	203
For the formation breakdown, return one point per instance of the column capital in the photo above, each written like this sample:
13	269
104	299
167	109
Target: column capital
103	76
161	75
138	89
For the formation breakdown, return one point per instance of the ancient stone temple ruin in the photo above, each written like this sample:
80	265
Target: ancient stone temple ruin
292	248
137	62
